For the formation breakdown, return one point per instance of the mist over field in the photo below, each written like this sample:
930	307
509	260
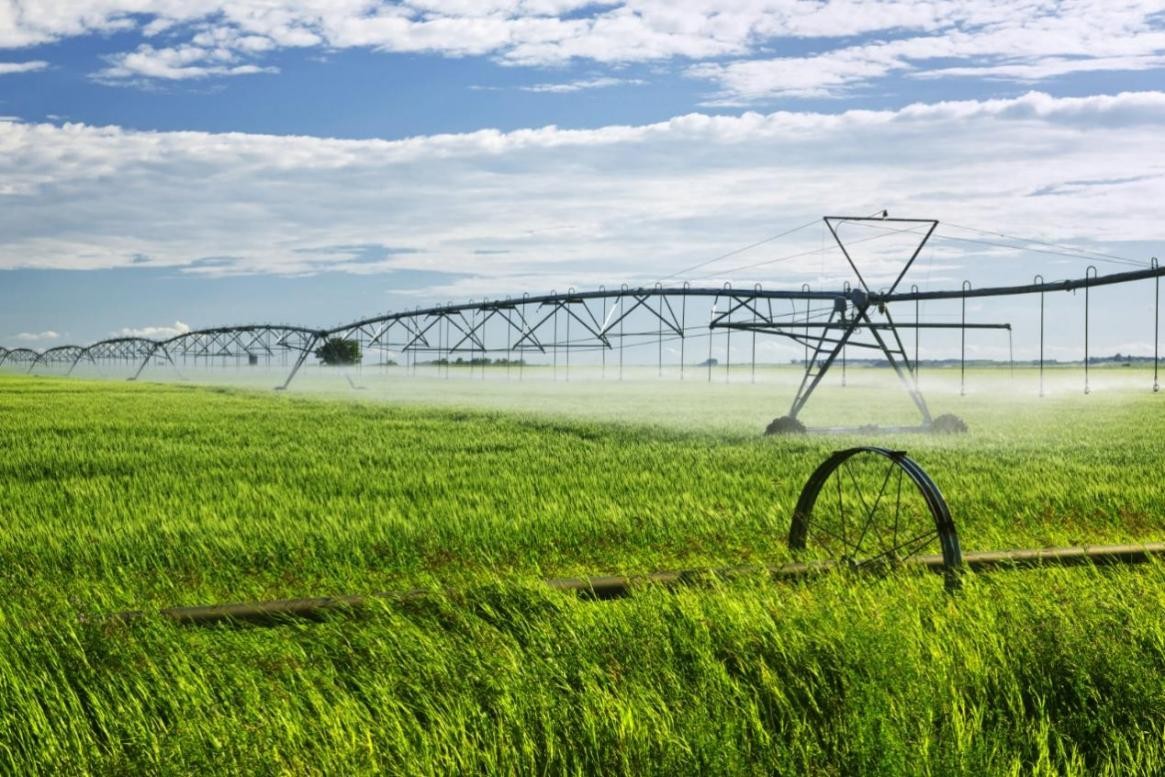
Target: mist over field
737	399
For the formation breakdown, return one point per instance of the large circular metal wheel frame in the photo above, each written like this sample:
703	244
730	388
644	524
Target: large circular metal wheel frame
871	508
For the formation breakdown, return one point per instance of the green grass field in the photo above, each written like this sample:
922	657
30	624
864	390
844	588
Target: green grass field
117	496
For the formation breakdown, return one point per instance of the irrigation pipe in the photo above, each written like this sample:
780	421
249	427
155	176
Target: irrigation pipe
612	587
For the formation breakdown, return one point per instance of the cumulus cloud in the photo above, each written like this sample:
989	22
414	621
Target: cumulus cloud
153	332
741	47
183	62
36	337
8	68
550	207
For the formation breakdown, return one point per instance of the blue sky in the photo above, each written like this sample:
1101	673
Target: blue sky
197	162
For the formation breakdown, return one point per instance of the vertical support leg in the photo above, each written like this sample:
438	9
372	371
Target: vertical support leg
446	353
917	329
905	377
805	288
1156	322
1088	274
522	364
683	329
149	355
509	341
659	336
753	356
299	362
757	288
711	318
811	379
603	354
963	344
844	349
73	366
728	339
142	366
1040	279
622	298
169	358
1010	355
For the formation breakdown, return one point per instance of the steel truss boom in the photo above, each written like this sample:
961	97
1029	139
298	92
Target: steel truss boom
18	356
826	322
1030	288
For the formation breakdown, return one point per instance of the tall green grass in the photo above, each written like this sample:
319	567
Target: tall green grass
117	496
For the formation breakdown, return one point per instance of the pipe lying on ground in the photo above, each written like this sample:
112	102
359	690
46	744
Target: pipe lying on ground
613	587
1097	555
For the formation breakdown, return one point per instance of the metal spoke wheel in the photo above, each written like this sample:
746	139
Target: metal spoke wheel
873	508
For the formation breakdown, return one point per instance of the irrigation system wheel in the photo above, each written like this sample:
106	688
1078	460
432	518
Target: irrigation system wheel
872	507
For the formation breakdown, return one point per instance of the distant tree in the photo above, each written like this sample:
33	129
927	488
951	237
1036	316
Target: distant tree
338	351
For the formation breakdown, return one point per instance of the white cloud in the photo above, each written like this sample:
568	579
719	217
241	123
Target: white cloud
1024	46
582	84
8	68
1050	67
36	337
153	332
183	62
549	207
1021	41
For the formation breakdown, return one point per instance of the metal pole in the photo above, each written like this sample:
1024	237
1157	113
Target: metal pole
846	288
481	337
412	351
522	363
622	297
963	344
569	292
509	338
1088	274
1010	354
1040	279
917	329
711	318
659	291
1156	321
603	354
756	287
728	338
805	361
556	306
683	328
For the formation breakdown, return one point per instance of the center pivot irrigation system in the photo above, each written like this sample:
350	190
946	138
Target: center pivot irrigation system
609	321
